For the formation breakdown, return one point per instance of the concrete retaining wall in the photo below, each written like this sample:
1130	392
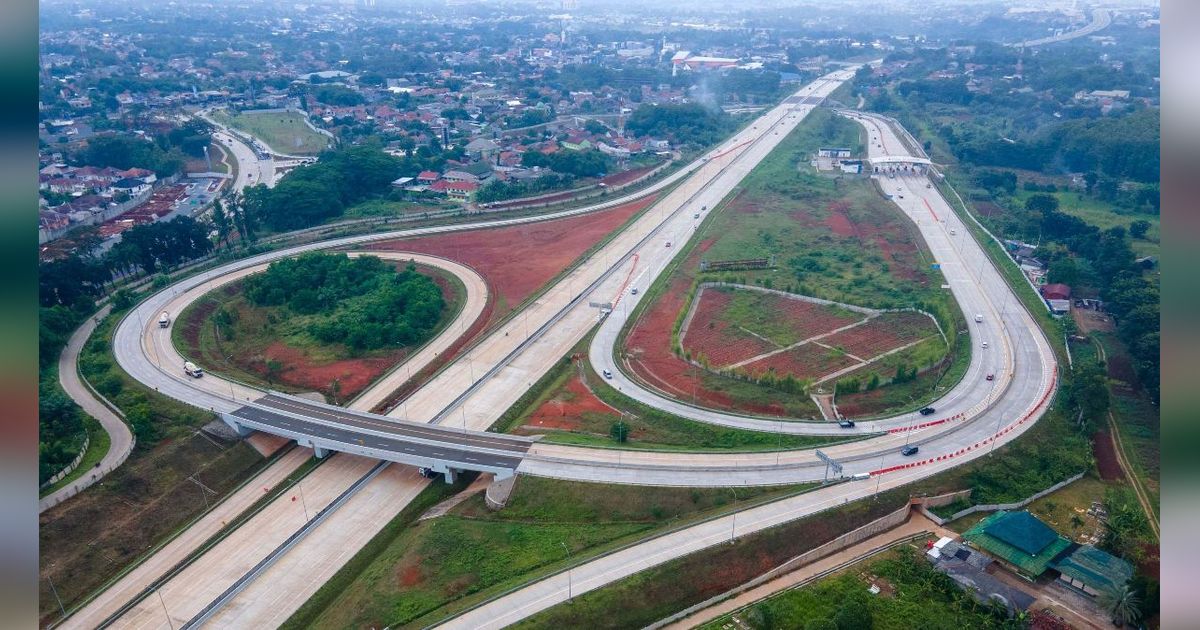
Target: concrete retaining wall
87	441
947	499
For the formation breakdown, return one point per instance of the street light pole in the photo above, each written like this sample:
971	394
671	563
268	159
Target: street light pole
569	585
170	623
303	503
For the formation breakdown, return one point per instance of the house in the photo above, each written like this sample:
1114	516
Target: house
1019	541
833	152
133	187
428	177
1092	571
482	149
460	176
851	166
461	190
1056	292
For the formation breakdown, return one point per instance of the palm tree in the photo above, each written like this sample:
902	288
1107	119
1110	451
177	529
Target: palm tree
1122	605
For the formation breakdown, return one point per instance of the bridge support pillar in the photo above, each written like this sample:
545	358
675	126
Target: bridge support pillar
237	427
451	475
320	452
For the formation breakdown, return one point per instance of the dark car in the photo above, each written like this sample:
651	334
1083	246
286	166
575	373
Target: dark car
909	450
846	424
991	377
925	411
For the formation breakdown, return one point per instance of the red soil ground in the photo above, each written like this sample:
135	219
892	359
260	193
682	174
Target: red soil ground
649	355
517	260
886	332
624	177
722	343
1106	457
514	261
807	361
710	335
565	409
838	221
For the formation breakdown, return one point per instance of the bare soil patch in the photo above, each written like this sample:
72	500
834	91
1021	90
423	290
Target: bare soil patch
1106	457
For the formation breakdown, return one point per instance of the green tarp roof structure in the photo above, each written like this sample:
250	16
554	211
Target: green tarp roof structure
1020	539
1098	569
1023	531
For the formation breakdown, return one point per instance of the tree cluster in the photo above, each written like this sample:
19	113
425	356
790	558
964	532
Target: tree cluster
685	123
361	302
589	163
500	191
311	194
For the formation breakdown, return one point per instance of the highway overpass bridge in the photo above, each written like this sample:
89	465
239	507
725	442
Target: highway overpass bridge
327	428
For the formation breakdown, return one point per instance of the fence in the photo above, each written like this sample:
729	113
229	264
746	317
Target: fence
990	507
84	482
837	544
87	441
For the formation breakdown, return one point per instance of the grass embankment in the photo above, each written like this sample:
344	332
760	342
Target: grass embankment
832	237
283	132
651	595
273	347
913	595
1136	418
419	575
108	527
98	444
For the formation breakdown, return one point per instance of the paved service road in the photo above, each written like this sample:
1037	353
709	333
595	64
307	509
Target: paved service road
120	438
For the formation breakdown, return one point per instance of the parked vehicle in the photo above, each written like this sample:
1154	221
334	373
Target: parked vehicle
925	411
910	450
427	472
846	424
164	320
192	370
607	374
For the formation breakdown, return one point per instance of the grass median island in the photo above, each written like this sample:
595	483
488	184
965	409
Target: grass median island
319	322
822	235
283	131
415	576
572	404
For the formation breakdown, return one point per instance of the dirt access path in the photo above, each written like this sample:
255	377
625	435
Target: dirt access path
1142	496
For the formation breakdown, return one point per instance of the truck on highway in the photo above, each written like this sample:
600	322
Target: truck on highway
164	320
192	370
978	318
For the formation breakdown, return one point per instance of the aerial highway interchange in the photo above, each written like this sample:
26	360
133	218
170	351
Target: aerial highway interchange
443	424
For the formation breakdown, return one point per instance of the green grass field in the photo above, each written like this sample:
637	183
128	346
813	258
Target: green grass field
284	132
1104	216
913	595
419	575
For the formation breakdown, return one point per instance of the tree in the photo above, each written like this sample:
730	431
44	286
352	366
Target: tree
1042	204
220	222
619	431
1138	228
1122	605
853	615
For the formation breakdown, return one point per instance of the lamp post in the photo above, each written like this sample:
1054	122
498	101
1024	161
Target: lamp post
569	585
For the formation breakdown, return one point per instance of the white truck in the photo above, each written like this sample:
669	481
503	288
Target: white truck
164	320
978	318
192	370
